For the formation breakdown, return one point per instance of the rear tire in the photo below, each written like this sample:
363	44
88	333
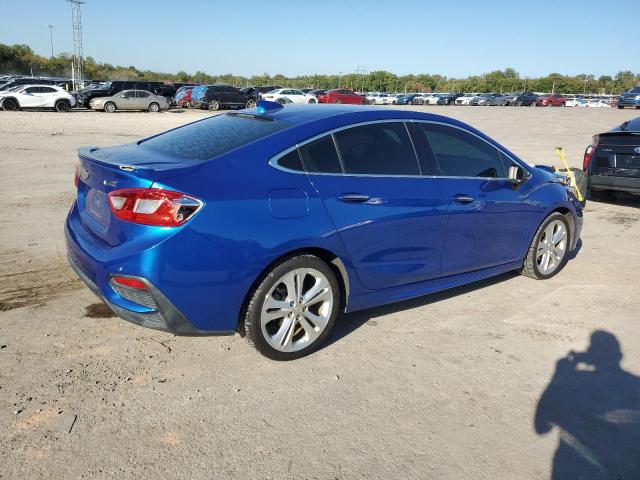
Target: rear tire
553	247
250	103
306	326
62	106
10	105
214	105
109	107
311	100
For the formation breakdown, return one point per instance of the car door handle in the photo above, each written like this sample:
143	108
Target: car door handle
353	198
462	199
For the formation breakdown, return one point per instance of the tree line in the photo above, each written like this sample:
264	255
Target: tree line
22	60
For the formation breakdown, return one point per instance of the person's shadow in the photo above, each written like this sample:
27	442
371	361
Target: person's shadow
595	405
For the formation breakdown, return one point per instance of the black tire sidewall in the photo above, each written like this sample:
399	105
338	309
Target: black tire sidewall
60	103
553	217
253	328
151	107
106	107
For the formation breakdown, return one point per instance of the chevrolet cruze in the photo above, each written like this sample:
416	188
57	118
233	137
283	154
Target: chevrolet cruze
272	221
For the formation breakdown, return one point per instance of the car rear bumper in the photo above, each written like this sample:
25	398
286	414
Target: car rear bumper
154	309
610	182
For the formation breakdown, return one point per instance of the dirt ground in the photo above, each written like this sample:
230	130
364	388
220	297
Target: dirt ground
442	387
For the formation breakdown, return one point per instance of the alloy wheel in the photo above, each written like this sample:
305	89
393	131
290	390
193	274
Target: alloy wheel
296	310
552	247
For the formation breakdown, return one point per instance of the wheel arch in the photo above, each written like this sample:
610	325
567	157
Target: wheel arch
4	99
331	259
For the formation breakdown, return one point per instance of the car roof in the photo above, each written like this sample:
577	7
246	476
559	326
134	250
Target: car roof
632	125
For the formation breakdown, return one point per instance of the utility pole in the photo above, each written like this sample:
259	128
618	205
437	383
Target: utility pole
339	79
51	37
76	23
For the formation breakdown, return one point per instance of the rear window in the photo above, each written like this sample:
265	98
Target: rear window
214	136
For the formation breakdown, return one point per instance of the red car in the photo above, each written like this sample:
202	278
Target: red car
551	100
341	95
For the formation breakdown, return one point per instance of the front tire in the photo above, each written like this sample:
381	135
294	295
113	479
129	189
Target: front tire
10	105
293	308
110	107
154	107
549	250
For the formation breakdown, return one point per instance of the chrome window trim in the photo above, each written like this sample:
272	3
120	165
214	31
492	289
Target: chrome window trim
274	159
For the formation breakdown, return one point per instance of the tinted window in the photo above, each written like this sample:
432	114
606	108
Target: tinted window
32	90
460	154
213	137
320	156
377	149
291	160
141	94
47	90
131	94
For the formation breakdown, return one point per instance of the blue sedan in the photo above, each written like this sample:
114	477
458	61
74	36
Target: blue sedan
271	221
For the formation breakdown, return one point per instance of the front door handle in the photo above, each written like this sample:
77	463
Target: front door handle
462	198
354	198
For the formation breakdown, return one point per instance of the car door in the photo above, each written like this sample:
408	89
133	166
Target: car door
126	100
48	96
489	216
391	219
31	97
142	100
297	96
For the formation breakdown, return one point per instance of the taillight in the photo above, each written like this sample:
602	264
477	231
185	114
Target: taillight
76	177
151	206
129	282
588	153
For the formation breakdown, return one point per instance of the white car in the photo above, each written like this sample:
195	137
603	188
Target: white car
465	99
37	96
598	103
432	99
289	95
574	101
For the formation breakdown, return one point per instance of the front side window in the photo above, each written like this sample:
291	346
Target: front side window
461	154
377	149
320	156
32	90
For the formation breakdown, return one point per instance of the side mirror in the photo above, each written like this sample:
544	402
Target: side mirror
516	174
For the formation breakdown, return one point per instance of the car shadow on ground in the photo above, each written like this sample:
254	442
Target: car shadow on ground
595	406
618	198
348	323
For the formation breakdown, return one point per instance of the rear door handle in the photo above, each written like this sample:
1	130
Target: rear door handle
353	198
462	199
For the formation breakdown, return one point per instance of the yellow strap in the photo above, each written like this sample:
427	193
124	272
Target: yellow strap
572	178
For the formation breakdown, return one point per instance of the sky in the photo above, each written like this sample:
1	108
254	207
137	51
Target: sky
455	38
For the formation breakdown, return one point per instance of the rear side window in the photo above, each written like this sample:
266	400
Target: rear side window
461	154
291	161
213	137
377	149
320	156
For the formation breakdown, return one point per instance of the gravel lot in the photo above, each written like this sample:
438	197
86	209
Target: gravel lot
445	386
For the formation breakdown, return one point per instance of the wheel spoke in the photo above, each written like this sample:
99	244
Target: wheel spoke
317	320
316	293
312	333
282	338
290	282
559	235
545	260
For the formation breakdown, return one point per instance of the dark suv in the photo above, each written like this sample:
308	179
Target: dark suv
525	99
612	161
220	96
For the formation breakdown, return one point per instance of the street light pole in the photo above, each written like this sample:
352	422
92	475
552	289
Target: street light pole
51	38
339	79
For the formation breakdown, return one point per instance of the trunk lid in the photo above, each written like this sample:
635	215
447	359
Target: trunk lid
103	170
618	151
